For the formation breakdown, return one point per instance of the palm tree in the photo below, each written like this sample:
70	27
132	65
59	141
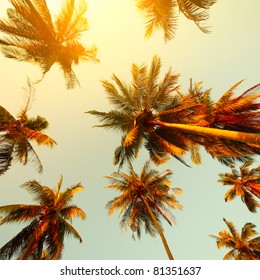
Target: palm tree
143	200
34	37
163	14
243	246
43	238
167	122
245	183
16	134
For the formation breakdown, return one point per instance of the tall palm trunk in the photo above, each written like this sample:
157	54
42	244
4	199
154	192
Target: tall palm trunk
165	244
249	138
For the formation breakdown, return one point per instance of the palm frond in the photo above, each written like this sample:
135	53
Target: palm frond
250	202
231	228
226	96
71	212
67	195
159	14
19	213
71	21
42	194
39	137
248	231
6	151
197	12
18	243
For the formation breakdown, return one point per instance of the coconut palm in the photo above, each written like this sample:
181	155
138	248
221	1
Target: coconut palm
245	183
144	200
16	135
49	221
244	246
168	122
163	14
34	37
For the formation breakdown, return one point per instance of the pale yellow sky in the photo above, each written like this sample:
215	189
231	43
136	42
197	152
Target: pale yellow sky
84	154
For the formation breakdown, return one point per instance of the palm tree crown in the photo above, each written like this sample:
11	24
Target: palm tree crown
163	14
34	37
244	246
16	134
171	123
245	183
144	200
44	236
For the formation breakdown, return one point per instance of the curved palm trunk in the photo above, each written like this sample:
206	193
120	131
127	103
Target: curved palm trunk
165	244
249	138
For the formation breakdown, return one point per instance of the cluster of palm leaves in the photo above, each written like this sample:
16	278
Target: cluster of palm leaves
144	200
244	246
169	123
34	37
149	112
245	184
44	235
163	14
16	134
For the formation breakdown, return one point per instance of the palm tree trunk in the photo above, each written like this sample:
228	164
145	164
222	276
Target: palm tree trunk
165	244
249	138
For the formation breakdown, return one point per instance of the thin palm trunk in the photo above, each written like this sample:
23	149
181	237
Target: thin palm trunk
165	244
249	138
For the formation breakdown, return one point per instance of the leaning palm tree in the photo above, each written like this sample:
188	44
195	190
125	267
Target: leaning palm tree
244	246
17	133
143	200
43	238
245	184
168	122
34	37
163	14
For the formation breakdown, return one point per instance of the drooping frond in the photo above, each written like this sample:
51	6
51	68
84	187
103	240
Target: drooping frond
248	231
6	151
19	213
159	14
17	244
71	212
163	14
197	11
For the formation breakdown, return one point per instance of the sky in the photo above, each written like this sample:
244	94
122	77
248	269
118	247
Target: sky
84	154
